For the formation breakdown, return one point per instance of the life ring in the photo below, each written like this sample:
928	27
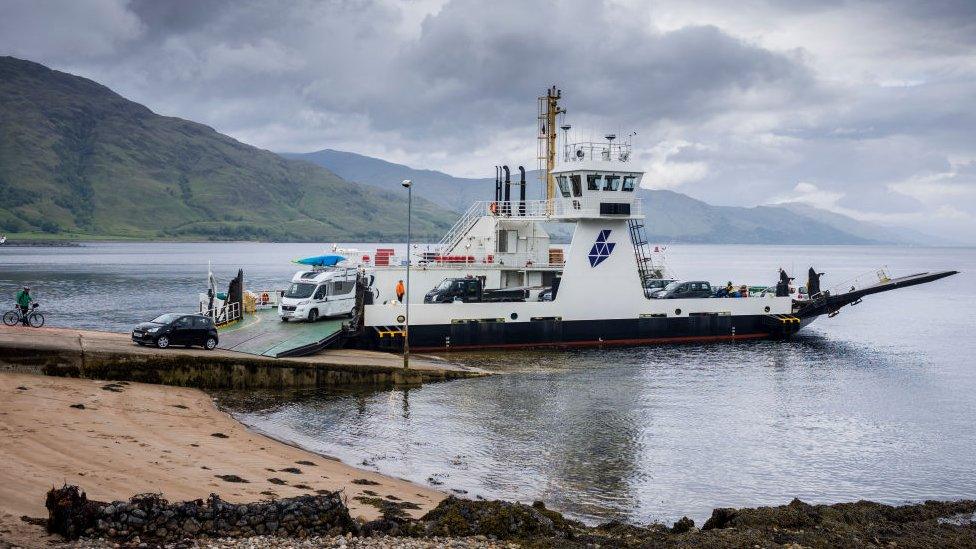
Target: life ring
493	208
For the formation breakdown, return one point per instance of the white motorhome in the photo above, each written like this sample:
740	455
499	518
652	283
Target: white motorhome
319	293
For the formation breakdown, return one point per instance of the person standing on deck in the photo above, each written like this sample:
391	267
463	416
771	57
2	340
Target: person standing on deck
24	300
400	291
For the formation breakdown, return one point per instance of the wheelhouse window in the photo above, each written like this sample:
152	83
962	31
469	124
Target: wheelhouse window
593	182
563	185
612	183
629	182
577	182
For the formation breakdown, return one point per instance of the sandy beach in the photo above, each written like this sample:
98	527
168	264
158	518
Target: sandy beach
118	439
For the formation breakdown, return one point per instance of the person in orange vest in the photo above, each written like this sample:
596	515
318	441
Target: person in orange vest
400	290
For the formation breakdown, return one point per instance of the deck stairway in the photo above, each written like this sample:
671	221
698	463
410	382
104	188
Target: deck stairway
642	253
461	228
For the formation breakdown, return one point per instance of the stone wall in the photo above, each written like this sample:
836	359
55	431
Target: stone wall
213	372
151	518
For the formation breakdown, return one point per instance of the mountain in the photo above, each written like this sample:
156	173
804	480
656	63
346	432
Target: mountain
455	193
77	159
671	216
675	217
872	231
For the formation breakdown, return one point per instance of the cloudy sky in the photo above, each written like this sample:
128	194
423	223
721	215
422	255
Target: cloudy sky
863	108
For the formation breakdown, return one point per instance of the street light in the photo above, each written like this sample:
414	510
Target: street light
407	184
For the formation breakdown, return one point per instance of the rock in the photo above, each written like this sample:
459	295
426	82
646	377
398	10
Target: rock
191	526
136	522
684	524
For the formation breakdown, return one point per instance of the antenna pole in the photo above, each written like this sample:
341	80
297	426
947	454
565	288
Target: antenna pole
548	111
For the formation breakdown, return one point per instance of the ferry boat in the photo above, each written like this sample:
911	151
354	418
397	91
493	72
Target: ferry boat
496	281
597	286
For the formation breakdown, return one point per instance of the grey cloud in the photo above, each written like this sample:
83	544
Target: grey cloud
484	70
460	90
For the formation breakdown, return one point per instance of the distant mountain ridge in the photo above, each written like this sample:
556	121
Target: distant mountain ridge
671	216
77	160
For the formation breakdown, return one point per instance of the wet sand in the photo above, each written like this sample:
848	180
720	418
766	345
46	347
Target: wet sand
132	438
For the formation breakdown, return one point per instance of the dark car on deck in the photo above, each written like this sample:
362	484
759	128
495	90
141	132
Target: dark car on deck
684	290
654	286
177	329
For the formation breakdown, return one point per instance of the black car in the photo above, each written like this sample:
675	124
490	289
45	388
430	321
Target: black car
654	286
177	329
684	290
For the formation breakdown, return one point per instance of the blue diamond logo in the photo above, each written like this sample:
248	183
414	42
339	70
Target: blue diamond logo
602	249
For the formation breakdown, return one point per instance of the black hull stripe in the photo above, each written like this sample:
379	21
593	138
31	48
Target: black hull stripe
583	333
597	343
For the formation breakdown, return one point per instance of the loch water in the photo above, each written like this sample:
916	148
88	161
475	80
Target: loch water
877	403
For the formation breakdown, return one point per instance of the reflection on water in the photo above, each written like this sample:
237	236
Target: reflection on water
877	403
657	433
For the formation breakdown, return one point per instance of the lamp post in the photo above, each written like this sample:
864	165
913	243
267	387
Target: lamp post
407	184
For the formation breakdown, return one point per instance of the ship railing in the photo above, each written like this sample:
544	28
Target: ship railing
223	314
462	226
588	151
567	207
861	281
266	299
518	260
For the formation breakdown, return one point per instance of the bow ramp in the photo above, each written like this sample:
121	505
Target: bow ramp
828	303
264	334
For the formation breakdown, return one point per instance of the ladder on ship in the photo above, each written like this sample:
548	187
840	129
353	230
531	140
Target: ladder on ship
460	228
642	253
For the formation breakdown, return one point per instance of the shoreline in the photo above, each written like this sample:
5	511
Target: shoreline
118	439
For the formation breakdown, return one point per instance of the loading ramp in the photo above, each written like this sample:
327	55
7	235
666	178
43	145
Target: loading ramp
264	334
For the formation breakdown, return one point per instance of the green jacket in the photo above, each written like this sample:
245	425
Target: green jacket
24	299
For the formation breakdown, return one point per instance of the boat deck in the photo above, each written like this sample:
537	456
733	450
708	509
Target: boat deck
264	334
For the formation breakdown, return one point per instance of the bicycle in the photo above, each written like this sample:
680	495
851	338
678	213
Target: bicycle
34	317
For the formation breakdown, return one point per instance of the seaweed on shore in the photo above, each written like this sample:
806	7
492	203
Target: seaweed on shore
858	524
232	478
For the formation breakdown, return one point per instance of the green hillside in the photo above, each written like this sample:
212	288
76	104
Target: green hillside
78	159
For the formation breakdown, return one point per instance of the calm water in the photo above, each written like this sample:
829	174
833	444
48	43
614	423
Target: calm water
877	403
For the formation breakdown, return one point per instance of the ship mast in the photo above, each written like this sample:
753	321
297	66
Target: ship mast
548	111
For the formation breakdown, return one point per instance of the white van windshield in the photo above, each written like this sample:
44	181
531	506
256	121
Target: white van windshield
300	290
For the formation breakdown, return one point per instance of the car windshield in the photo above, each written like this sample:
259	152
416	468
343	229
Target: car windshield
300	290
670	286
166	318
444	285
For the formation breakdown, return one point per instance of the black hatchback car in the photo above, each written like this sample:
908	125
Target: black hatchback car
177	329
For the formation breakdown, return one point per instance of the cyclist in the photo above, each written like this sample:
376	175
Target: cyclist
24	300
